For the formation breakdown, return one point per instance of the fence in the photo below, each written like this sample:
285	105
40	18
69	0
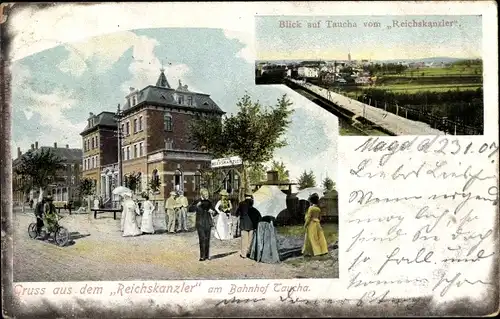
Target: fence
412	113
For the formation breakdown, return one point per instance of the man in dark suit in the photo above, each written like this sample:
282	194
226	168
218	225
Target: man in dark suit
249	219
204	223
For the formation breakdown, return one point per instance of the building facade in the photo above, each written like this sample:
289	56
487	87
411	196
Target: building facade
100	152
150	131
154	124
66	185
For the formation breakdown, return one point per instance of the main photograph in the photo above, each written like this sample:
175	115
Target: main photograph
152	155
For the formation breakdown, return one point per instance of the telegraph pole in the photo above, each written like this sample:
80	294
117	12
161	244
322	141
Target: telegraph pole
119	131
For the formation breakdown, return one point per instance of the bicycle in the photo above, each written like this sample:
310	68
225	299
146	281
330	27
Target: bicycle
60	233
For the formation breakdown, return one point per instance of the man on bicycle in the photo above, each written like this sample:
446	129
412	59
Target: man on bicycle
50	217
39	214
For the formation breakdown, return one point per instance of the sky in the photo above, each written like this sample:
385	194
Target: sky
463	39
53	91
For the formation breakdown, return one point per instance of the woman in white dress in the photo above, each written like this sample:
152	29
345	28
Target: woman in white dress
147	217
223	208
130	212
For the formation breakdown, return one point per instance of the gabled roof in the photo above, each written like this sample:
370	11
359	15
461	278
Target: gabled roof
105	118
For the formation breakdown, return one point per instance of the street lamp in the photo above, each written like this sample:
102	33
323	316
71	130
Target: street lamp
118	117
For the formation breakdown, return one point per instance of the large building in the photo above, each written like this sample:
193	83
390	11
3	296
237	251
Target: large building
66	185
153	125
100	153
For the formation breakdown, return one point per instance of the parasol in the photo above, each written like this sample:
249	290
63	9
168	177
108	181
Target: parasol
306	192
122	190
269	200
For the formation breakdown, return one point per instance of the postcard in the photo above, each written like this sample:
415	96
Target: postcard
249	159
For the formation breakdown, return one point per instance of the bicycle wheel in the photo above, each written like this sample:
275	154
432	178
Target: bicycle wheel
61	236
32	231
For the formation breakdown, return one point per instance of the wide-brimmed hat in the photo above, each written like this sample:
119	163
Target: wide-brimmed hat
224	193
173	193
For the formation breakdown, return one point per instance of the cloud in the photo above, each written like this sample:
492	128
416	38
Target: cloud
145	68
248	40
45	110
104	51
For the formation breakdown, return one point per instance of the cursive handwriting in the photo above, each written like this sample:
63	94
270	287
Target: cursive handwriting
235	300
416	260
449	283
359	238
356	281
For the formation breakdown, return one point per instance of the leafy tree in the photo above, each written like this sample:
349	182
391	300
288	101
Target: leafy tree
283	174
40	168
87	189
328	184
256	173
132	180
306	180
253	133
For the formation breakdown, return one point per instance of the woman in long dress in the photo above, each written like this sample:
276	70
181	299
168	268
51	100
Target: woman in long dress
314	241
147	217
223	208
130	212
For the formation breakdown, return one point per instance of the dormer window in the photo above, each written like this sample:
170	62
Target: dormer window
134	100
180	99
190	100
169	144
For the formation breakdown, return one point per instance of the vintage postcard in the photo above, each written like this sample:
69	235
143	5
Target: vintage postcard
266	159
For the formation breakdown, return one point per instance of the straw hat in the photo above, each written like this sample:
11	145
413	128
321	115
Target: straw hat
173	193
224	193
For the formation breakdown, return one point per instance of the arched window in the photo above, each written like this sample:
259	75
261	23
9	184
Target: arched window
178	181
167	122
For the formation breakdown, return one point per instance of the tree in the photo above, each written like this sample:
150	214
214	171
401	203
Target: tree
154	184
328	184
40	168
283	174
23	185
87	189
256	173
132	180
307	180
253	133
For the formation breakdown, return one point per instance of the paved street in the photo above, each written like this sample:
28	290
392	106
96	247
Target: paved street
392	122
99	252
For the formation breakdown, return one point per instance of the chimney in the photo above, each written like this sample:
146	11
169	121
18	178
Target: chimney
67	145
55	145
19	152
36	145
32	146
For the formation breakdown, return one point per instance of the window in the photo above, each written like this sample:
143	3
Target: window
123	153
123	129
197	181
136	126
167	122
169	144
93	145
141	149
180	99
178	181
97	141
136	153
190	100
97	161
128	152
140	123
93	162
84	164
134	100
127	128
